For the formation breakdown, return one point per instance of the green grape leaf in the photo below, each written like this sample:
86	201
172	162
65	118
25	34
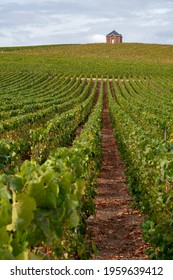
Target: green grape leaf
94	248
80	188
5	207
23	256
5	255
22	211
4	236
44	190
32	256
81	250
73	220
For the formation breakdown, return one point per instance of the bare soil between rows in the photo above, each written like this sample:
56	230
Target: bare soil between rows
116	225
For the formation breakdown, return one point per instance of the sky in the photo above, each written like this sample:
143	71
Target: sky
44	22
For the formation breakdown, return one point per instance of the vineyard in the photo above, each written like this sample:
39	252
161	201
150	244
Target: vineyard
51	118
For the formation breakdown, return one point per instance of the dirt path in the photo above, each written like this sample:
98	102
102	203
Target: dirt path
115	226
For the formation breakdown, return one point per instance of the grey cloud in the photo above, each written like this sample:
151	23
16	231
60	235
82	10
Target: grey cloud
44	22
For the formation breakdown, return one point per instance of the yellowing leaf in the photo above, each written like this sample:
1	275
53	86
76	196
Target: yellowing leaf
22	211
73	220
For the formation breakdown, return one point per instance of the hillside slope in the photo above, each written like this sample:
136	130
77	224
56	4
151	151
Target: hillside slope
96	59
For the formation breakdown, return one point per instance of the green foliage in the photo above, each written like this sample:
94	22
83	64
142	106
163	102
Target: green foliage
148	158
47	205
94	59
46	192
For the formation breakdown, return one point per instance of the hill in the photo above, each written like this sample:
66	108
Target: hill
94	59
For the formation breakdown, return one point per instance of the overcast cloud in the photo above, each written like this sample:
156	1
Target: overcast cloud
29	22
